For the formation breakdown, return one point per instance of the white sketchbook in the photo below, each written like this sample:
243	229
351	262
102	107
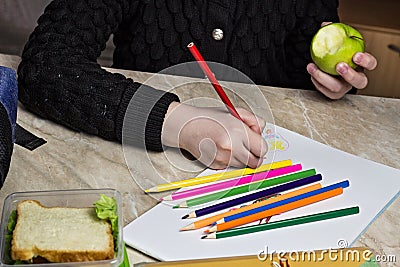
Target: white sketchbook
373	187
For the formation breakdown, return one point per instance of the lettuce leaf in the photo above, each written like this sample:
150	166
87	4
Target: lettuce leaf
106	209
12	221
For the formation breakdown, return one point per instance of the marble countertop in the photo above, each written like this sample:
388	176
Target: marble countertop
364	126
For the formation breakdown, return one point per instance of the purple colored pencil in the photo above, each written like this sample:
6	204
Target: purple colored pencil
257	195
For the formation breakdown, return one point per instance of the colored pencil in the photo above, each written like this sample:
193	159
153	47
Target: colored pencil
254	196
245	188
209	220
283	223
277	210
218	176
234	182
262	208
218	88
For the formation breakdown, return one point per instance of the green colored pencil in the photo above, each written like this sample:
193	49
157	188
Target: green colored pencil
284	223
246	188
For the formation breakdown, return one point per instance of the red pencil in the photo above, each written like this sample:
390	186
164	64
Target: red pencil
199	58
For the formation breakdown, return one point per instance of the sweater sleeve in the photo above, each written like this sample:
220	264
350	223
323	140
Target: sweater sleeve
6	145
309	16
59	77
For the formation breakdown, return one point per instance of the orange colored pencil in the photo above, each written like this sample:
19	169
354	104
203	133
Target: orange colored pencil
207	221
277	210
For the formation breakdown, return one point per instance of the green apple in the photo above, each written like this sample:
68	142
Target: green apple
334	43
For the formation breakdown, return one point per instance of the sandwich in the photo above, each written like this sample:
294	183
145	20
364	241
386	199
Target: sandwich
61	234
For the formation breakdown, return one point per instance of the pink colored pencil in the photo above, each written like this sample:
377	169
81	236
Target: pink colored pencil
235	182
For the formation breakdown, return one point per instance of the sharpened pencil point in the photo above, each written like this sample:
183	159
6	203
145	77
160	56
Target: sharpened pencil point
188	227
206	231
168	198
210	236
151	190
192	215
186	216
213	229
175	207
182	205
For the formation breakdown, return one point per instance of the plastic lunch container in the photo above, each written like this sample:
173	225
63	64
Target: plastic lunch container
80	198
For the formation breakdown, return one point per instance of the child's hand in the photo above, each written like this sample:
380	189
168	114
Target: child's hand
214	136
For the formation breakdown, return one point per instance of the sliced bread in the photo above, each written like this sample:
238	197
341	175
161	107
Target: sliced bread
60	234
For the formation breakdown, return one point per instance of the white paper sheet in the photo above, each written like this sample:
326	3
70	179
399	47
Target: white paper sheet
373	187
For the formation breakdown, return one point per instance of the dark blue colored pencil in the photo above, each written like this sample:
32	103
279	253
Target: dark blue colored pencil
254	196
343	184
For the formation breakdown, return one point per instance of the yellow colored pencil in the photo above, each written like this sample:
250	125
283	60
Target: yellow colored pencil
218	176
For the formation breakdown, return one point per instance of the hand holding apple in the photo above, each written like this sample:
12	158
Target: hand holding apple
337	53
335	43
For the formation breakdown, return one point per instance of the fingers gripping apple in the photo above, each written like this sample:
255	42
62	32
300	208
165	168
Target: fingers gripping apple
334	43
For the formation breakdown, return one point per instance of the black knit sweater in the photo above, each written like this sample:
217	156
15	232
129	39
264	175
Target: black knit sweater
59	78
6	145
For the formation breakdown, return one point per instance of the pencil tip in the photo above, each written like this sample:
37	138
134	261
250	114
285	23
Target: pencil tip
206	231
212	229
192	215
175	207
188	227
169	197
161	199
186	216
203	237
151	190
181	205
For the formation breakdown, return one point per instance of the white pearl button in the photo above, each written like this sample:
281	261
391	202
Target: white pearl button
217	34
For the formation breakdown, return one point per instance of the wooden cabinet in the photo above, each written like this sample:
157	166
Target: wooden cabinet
379	23
385	79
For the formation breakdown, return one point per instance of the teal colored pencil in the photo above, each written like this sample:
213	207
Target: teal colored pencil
284	223
246	188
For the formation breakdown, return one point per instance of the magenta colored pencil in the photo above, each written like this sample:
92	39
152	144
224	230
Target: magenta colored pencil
235	182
